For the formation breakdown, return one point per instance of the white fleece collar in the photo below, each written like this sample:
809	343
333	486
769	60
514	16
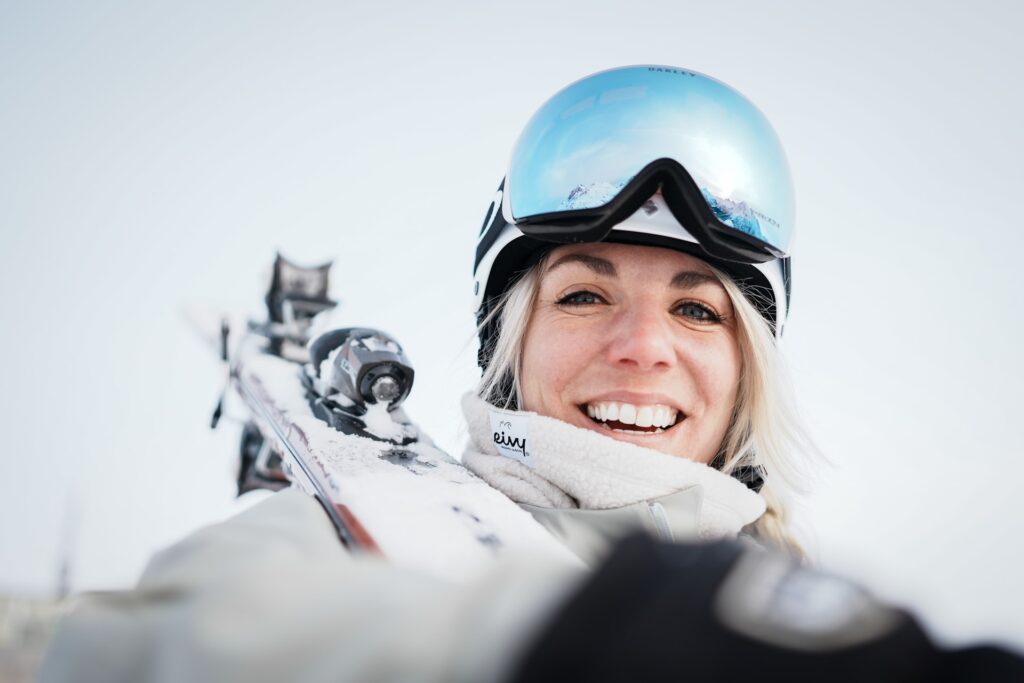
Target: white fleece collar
570	467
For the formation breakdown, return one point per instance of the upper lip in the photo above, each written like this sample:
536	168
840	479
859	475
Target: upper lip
637	399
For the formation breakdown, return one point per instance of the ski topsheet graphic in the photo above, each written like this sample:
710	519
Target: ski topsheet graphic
326	416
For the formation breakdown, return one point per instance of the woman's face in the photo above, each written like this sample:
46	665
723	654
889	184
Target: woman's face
637	343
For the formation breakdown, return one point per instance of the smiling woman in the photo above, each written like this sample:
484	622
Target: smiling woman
642	300
630	306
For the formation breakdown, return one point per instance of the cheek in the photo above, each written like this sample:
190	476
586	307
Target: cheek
533	370
718	368
529	371
716	372
553	355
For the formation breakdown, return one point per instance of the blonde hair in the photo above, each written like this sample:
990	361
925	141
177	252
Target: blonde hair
765	431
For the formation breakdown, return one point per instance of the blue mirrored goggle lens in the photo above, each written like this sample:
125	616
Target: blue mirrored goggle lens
588	141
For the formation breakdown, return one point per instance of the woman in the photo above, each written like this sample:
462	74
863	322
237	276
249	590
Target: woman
632	278
643	356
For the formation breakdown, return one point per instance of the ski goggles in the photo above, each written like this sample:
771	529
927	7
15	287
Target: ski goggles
596	151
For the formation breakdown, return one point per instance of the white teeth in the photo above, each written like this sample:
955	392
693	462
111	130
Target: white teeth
664	416
644	417
659	416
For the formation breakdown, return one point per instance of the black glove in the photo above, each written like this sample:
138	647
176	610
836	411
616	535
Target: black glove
724	611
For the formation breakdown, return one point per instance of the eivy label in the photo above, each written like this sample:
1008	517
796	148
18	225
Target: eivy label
510	434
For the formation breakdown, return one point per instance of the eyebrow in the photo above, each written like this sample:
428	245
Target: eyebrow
598	265
689	279
686	279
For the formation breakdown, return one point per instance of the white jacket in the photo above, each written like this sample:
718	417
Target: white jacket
271	595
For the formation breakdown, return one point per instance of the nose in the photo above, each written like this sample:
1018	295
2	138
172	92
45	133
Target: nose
641	339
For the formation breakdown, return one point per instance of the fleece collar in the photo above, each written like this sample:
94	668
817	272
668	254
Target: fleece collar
545	462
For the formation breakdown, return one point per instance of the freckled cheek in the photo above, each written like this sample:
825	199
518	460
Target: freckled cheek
717	371
553	357
536	381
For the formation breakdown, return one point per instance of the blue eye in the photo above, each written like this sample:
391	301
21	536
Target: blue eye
580	298
697	312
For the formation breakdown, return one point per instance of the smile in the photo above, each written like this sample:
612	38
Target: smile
632	419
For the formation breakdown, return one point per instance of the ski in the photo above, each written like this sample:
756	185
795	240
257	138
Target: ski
325	414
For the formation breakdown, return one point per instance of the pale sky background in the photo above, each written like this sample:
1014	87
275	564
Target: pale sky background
153	154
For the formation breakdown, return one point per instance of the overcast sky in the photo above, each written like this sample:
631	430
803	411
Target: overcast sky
156	154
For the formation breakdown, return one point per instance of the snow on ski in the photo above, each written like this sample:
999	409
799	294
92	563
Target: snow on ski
326	417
